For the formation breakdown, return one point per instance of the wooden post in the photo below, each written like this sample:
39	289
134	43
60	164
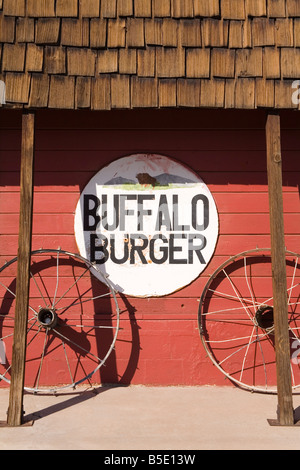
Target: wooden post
282	344
15	409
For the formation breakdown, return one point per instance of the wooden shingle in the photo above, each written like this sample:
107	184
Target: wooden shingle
108	8
233	9
116	34
75	32
236	34
290	62
14	7
256	8
120	91
107	61
153	32
17	87
67	8
81	61
142	8
188	92
212	93
197	63
167	92
182	9
146	62
297	32
271	62
89	8
170	62
125	8
161	8
83	92
169	32
229	98
100	93
190	33
98	32
127	61
62	92
293	7
7	28
34	58
135	34
263	32
249	62
40	8
222	63
25	30
264	93
39	91
47	30
277	8
206	9
245	93
215	32
55	60
284	32
144	92
13	57
247	34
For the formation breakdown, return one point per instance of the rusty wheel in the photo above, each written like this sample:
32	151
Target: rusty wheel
73	321
236	319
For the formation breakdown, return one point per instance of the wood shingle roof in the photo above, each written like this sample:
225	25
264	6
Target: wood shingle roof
104	54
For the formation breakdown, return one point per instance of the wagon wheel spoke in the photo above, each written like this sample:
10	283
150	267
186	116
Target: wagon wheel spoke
14	295
57	279
70	288
81	301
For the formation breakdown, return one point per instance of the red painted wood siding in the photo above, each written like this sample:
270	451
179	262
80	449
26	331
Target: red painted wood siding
159	342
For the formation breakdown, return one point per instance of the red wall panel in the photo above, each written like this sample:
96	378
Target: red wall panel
159	341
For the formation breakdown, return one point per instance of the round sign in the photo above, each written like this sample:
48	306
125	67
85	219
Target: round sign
148	222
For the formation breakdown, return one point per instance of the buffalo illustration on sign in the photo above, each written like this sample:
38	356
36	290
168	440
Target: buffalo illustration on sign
149	222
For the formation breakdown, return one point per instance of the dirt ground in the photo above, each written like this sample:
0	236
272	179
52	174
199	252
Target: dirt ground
150	418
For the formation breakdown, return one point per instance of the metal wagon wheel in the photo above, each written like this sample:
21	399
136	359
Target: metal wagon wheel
236	319
73	321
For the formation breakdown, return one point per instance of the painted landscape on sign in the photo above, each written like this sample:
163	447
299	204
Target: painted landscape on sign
145	181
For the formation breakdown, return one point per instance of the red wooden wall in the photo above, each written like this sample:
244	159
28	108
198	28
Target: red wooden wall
159	342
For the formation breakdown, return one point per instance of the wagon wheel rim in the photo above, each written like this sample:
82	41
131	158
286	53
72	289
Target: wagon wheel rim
58	320
238	335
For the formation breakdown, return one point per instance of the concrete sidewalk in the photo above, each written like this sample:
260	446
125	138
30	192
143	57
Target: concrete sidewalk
150	418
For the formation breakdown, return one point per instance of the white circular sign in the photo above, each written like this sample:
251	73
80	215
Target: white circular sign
148	222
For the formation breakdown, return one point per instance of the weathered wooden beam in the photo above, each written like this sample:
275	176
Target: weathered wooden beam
15	409
282	344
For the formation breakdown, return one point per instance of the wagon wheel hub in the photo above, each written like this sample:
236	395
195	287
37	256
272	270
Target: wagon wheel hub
47	318
264	317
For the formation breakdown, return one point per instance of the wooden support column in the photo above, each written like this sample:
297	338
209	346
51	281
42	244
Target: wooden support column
282	344
15	409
